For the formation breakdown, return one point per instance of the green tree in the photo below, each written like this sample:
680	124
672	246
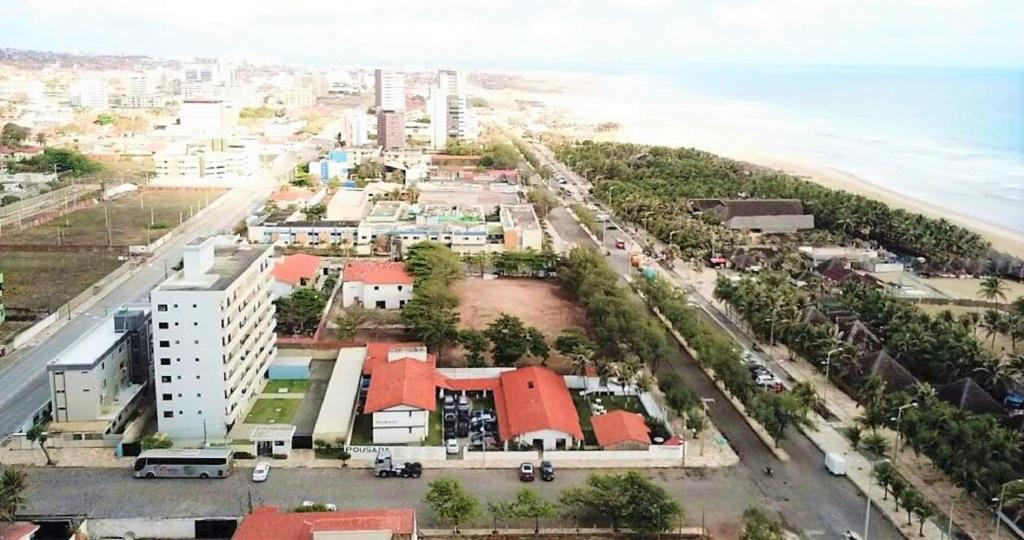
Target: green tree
626	500
349	323
510	339
500	156
299	313
778	411
499	511
315	212
758	526
571	340
13	135
542	201
992	289
475	343
433	261
538	345
431	315
65	160
529	504
369	169
875	443
451	503
12	487
38	435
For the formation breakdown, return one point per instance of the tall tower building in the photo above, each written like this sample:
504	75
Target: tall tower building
213	337
390	90
437	106
452	81
391	129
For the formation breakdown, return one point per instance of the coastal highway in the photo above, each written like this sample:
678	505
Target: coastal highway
23	374
804	494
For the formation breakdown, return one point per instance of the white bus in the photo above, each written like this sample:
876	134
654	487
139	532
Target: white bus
204	463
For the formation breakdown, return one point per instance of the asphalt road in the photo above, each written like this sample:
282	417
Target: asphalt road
804	494
720	496
23	375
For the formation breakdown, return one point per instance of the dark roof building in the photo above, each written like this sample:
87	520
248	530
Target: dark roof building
970	396
762	215
895	376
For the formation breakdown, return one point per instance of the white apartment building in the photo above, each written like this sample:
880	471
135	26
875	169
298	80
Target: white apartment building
100	378
462	123
208	70
357	128
296	97
437	109
213	337
390	90
210	164
452	81
90	93
204	116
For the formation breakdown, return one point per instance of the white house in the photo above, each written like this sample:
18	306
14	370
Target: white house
535	409
376	285
401	395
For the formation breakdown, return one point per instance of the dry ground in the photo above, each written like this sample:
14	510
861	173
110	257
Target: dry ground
538	303
968	288
44	281
129	216
1003	343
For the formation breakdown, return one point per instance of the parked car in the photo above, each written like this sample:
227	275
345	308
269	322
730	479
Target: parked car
481	414
462	429
450	419
452	446
547	471
477	440
526	472
463	404
620	244
261	472
449	404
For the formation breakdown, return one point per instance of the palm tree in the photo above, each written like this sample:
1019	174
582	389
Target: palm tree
581	359
992	323
37	435
992	373
992	288
875	443
12	485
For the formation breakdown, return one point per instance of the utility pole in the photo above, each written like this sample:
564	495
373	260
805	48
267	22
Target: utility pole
106	220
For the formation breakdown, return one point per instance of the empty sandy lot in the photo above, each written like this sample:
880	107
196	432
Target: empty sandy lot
540	303
968	288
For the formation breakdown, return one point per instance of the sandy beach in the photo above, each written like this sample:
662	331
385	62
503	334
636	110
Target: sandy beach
645	111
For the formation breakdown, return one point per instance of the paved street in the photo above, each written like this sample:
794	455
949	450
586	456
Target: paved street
806	496
23	377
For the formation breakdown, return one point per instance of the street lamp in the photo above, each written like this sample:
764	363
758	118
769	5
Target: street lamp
828	366
899	434
704	405
867	511
997	526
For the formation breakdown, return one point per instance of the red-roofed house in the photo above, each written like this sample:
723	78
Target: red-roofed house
376	285
294	271
535	408
402	394
292	197
621	430
18	530
267	522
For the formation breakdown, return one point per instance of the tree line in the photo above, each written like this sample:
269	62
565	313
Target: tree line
656	182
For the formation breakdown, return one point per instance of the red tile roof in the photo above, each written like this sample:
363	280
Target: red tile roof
534	399
18	530
616	427
377	273
268	522
291	195
377	353
294	268
407	381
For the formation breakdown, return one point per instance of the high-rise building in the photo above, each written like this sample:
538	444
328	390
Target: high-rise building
213	337
391	129
89	93
437	108
204	116
208	70
452	81
390	90
357	130
462	123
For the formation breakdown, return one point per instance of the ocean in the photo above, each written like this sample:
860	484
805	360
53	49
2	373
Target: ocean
950	137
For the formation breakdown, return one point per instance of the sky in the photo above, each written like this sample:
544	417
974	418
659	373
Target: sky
526	34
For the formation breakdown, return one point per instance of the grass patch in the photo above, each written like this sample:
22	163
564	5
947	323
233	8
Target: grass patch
435	428
265	411
291	386
45	281
362	430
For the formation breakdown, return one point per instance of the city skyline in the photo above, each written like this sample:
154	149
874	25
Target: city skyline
568	35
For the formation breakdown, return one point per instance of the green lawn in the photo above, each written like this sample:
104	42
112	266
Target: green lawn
273	411
292	386
362	430
436	428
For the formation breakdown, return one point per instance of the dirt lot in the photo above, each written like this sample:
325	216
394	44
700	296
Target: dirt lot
44	281
129	216
968	288
1003	344
538	303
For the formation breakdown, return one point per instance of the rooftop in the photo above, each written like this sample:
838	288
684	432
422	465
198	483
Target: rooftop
294	268
377	273
377	353
89	349
730	208
534	399
269	522
229	263
619	426
519	216
407	382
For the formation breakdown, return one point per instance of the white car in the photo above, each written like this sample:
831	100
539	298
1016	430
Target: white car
452	446
261	472
331	507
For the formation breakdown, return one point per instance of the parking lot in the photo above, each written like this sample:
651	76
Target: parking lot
469	422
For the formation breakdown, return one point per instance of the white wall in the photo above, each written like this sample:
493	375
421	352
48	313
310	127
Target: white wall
142	527
393	296
549	436
400	425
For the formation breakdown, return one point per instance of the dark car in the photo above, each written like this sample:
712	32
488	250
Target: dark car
547	471
526	472
463	429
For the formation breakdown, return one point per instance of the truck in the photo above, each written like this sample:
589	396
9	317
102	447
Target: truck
384	467
835	463
636	260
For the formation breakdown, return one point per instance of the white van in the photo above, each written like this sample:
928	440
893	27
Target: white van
835	463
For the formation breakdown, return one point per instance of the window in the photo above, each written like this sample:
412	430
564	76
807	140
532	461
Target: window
164	344
165	378
161	307
376	287
162	326
165	361
166	397
380	304
168	414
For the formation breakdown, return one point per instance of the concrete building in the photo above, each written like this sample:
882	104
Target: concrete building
401	395
208	70
462	124
521	228
268	522
391	129
205	116
376	285
348	205
101	377
621	430
451	81
296	97
389	89
213	337
437	109
535	409
294	271
91	93
210	164
143	92
357	128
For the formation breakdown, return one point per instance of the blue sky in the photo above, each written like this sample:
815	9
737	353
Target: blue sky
570	34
